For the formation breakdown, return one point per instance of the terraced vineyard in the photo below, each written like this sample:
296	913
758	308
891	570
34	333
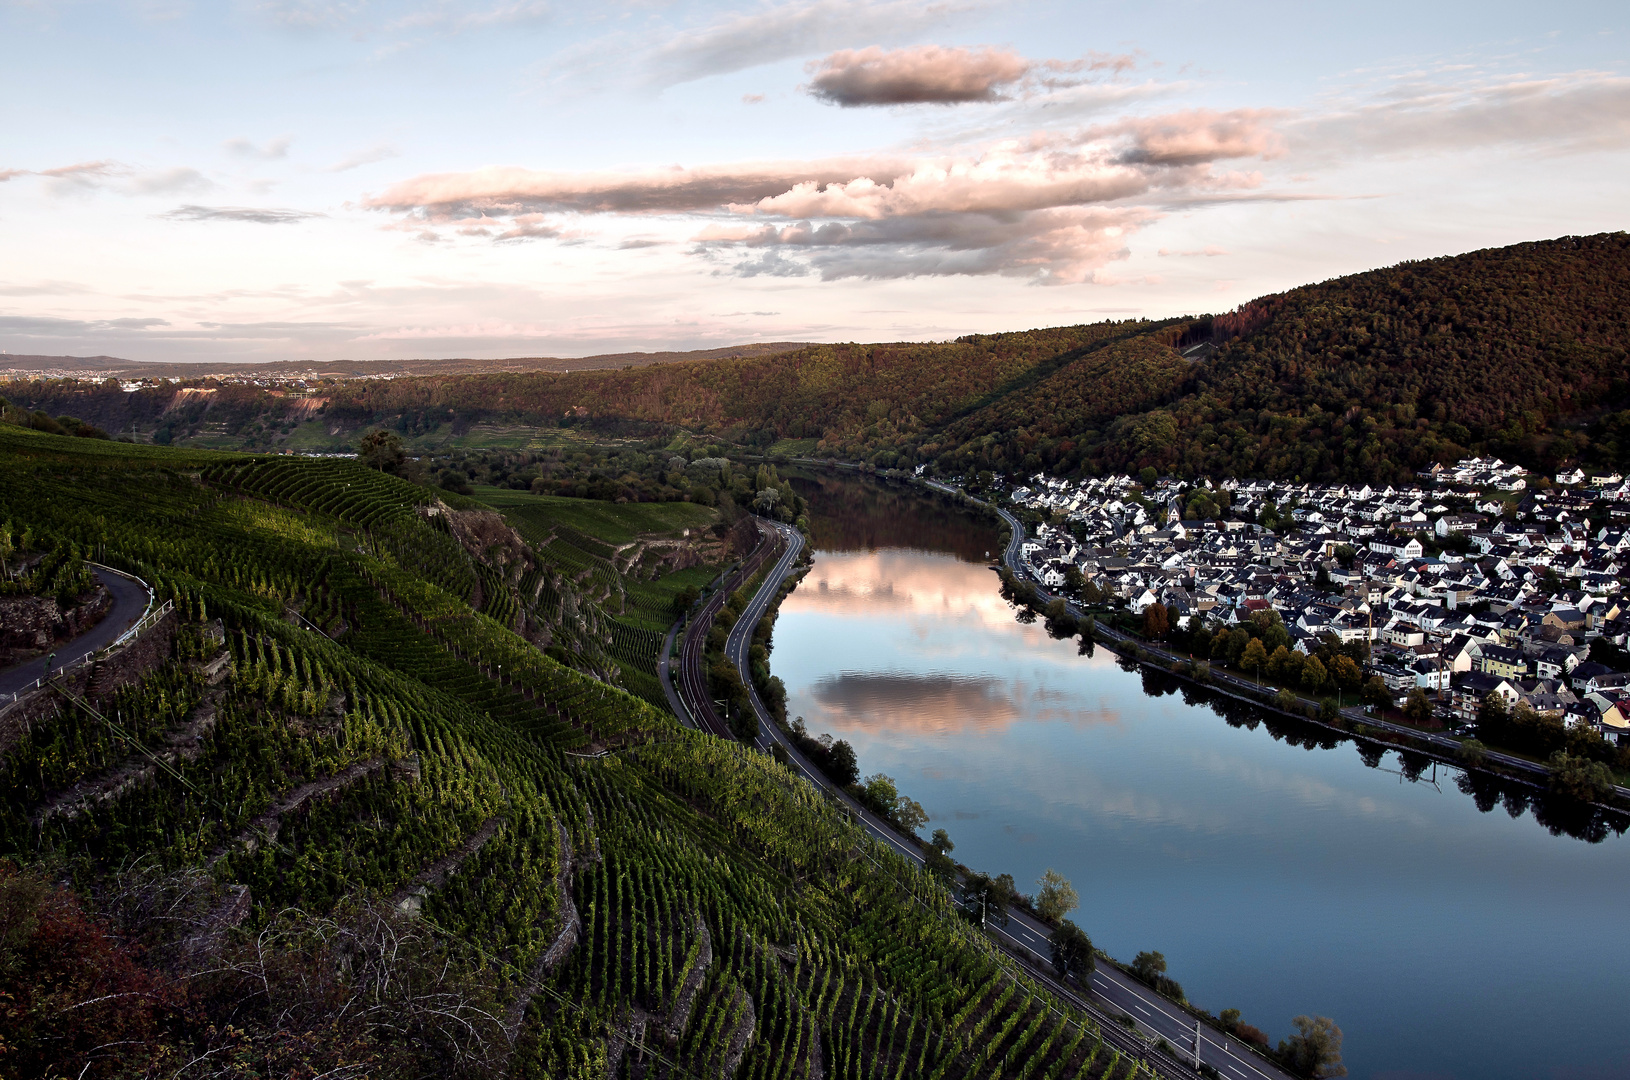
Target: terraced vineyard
328	818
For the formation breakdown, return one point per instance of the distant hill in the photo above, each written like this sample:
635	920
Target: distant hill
16	365
1519	351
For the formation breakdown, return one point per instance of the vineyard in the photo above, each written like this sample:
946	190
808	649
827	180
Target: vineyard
328	777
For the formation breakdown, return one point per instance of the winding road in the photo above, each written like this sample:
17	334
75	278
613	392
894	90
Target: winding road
131	599
1023	935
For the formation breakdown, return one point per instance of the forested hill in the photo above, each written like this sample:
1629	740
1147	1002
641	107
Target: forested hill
1518	351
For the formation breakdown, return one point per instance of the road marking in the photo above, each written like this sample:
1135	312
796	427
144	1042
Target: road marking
1142	1010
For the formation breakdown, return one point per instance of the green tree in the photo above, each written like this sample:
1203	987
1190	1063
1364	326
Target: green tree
1255	657
1149	966
879	792
1580	778
985	899
381	449
1313	674
1375	691
939	861
1055	897
1315	1050
1346	673
1418	707
1071	952
908	814
841	764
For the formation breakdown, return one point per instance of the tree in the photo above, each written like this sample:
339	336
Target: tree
908	814
1071	952
1148	966
1375	691
381	449
941	842
685	599
1313	674
1055	898
1155	623
1255	657
1418	707
1315	1050
985	899
841	764
1580	778
1346	673
1492	718
880	793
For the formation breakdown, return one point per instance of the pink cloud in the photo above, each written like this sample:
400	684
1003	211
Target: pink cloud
926	73
1203	135
1056	209
939	75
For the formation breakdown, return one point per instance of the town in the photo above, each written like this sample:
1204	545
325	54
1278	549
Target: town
1480	579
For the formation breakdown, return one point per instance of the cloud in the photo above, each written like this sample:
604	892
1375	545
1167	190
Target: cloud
1209	249
1058	246
8	174
752	99
938	75
1577	112
442	197
457	17
1052	208
311	15
924	74
1197	136
273	150
254	214
789	30
44	288
81	176
47	326
170	182
364	157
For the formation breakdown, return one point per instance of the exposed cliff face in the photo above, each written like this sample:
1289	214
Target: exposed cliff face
31	625
488	537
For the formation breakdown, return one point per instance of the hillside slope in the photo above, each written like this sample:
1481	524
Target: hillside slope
325	819
1521	351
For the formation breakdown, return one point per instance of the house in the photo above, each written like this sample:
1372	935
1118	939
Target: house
1468	695
1502	662
1430	675
1555	662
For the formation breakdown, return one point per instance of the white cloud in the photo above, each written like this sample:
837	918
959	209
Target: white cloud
370	156
273	150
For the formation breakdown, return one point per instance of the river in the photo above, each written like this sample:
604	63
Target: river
1452	926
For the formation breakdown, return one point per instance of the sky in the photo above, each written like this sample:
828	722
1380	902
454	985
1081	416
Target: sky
257	180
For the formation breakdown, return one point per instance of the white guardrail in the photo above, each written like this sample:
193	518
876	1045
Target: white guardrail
145	623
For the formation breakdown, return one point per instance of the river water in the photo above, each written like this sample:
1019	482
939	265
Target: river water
1451	926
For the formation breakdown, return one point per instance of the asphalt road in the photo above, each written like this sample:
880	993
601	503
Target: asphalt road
130	602
1155	1016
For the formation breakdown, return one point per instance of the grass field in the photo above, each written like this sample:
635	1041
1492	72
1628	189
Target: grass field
613	523
794	447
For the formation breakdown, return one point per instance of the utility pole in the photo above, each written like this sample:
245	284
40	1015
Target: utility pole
1196	1046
